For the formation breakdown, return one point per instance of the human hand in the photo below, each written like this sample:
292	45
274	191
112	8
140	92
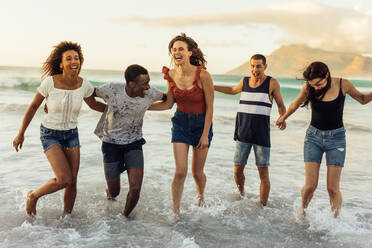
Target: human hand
18	142
280	123
203	142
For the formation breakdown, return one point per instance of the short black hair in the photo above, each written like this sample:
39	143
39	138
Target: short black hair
259	57
133	71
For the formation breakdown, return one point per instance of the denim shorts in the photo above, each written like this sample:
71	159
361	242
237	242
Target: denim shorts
118	158
65	138
243	149
330	142
188	128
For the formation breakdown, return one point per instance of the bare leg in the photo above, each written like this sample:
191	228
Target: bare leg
265	184
135	176
239	178
180	151
333	187
198	161
113	189
311	182
61	169
73	156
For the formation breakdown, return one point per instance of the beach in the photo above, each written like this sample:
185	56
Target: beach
225	221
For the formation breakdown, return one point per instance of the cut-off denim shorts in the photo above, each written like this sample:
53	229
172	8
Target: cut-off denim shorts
188	128
330	142
64	138
243	149
118	158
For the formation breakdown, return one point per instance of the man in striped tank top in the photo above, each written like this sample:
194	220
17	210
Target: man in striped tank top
252	127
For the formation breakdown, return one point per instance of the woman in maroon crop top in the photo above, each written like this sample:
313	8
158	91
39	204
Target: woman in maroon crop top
326	133
191	87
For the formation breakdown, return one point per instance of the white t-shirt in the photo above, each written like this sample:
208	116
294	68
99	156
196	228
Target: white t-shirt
63	105
121	123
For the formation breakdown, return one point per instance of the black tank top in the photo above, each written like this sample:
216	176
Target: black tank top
253	117
328	115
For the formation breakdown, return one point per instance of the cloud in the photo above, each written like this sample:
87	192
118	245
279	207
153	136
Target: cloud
303	21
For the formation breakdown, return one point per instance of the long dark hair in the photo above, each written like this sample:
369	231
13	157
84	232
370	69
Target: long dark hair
316	70
52	65
197	57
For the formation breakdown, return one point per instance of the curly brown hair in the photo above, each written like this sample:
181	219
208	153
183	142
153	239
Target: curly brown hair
52	65
197	57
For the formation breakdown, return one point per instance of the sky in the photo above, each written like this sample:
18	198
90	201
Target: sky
116	33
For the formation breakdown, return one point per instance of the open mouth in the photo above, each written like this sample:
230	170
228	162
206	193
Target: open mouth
177	58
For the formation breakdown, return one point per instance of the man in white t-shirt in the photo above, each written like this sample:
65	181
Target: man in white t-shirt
120	129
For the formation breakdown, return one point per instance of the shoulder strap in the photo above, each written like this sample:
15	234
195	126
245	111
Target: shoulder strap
165	71
245	83
341	87
197	74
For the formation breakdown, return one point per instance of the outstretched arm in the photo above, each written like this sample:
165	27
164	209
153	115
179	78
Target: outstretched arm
30	112
293	107
167	104
230	90
356	94
279	101
94	104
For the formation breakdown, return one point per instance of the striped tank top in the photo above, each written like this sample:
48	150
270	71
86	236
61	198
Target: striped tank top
253	116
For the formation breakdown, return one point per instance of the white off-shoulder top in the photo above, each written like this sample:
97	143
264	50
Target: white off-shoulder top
63	105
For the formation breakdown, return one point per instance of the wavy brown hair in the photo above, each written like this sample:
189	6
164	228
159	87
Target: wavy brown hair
316	69
52	65
197	57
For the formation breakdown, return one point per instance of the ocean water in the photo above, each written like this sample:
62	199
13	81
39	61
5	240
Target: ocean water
225	221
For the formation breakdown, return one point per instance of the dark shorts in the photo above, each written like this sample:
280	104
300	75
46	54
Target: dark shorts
118	158
188	128
63	138
330	142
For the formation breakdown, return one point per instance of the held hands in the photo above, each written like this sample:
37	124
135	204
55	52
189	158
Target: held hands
280	123
18	142
203	142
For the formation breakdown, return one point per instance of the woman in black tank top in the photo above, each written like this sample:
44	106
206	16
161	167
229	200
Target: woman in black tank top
326	133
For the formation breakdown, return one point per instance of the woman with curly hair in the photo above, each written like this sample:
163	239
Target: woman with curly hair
191	87
64	90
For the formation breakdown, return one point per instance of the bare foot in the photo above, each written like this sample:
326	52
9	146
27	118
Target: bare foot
336	213
31	203
200	202
301	213
109	197
173	220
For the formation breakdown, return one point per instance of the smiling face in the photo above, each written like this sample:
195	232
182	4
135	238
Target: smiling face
180	53
142	85
257	68
70	62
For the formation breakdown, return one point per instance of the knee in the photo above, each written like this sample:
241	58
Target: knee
309	189
64	181
135	190
265	178
180	175
114	193
239	172
198	175
332	191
